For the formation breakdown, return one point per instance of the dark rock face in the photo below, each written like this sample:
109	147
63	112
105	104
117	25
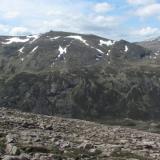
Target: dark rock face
81	76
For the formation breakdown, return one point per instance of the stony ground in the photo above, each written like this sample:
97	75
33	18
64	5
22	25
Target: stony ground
25	136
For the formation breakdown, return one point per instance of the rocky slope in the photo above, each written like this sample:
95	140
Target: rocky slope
79	76
26	136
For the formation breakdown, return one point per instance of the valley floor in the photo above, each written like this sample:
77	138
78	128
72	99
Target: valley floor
25	136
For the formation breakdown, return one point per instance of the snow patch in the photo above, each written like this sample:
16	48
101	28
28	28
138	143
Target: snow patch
21	50
53	64
62	51
97	59
34	49
33	37
100	51
21	40
15	40
108	43
126	48
156	54
54	38
22	59
79	38
108	52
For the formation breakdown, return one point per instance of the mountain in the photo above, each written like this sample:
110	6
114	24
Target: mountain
26	136
79	76
154	46
62	50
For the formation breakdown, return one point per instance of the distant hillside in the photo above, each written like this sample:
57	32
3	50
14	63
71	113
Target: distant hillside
154	46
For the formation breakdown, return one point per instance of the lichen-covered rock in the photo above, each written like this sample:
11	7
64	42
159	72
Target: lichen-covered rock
12	149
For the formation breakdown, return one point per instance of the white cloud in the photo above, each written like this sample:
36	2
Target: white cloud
104	21
148	10
9	30
140	2
79	23
18	31
102	7
11	14
53	12
141	34
147	31
38	16
4	28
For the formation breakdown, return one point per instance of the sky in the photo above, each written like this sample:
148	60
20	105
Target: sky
132	20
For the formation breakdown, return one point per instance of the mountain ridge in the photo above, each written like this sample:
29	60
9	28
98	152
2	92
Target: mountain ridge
79	76
56	45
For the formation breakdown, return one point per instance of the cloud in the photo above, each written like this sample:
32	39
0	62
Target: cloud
19	17
10	30
102	7
80	23
11	14
18	31
148	10
147	32
63	18
39	16
104	21
4	28
140	2
141	33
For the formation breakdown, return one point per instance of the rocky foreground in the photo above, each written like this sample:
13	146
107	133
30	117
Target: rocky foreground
25	136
